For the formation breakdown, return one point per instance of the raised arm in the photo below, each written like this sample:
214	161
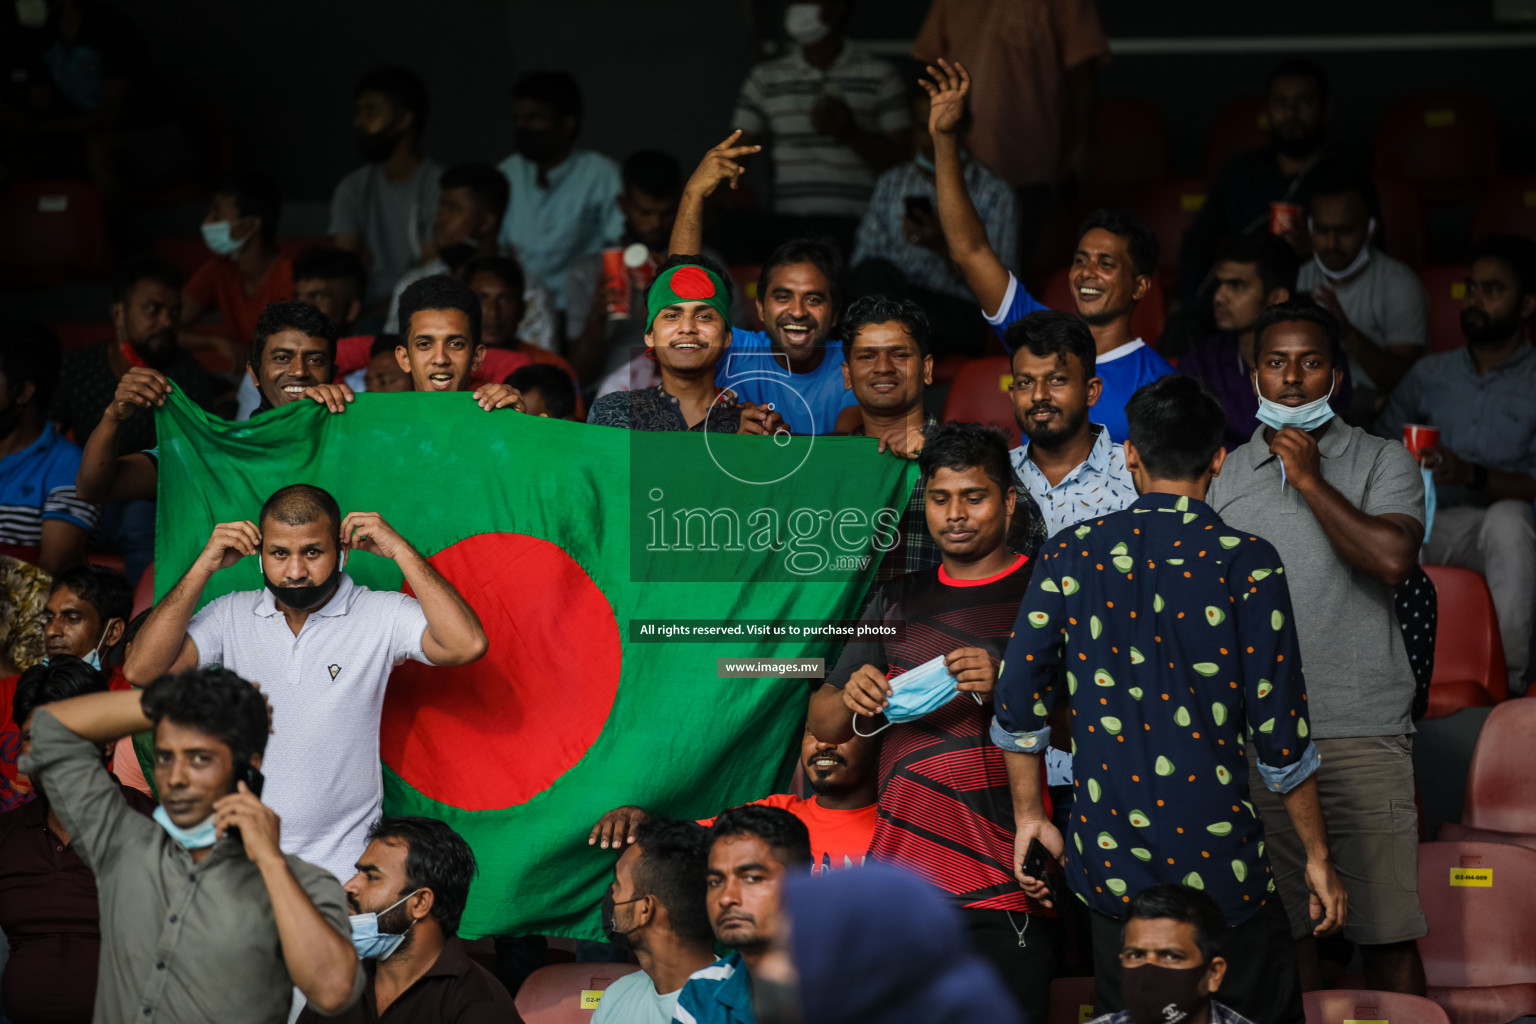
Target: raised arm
163	644
321	961
963	229
719	164
102	717
453	635
106	476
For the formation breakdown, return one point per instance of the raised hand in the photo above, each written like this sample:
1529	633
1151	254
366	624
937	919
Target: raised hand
139	388
229	543
946	94
719	164
367	531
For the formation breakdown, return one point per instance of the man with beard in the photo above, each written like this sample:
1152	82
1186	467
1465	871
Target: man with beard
562	197
1255	185
406	900
1111	270
326	644
1378	301
146	315
655	908
1484	465
1068	464
840	816
944	809
751	852
794	365
384	209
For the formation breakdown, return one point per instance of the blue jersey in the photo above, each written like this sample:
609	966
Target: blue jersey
809	402
718	994
38	484
1123	369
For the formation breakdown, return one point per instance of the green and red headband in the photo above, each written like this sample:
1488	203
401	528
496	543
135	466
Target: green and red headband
686	283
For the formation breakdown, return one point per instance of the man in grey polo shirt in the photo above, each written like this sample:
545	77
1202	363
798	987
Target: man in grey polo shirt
1345	511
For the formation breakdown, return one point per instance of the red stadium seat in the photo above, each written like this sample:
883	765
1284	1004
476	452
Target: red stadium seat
52	232
1071	1001
1480	953
1445	144
566	993
1130	147
1146	322
1500	783
1506	207
1240	125
980	395
1445	286
144	593
1469	656
1335	1006
1403	230
1169	208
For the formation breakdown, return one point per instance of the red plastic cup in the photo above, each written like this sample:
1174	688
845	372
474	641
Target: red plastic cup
1284	218
1418	437
617	277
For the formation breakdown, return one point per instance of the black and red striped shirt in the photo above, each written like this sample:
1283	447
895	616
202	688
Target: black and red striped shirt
945	811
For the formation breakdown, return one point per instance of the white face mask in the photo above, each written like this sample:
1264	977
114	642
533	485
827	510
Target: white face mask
803	24
1356	264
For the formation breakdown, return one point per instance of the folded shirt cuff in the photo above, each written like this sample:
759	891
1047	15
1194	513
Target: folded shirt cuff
1021	742
1283	780
996	319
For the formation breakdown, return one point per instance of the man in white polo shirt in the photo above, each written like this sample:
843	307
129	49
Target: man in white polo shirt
321	648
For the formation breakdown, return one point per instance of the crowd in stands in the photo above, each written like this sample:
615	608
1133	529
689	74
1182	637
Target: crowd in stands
1161	630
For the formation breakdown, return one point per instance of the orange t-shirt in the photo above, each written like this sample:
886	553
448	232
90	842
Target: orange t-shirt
839	839
217	285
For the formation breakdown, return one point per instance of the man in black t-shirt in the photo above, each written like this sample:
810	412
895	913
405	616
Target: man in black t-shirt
944	809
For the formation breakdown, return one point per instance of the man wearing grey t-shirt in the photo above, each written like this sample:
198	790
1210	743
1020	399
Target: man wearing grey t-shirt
1345	510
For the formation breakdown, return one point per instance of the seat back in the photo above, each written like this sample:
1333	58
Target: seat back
1481	908
1131	147
980	395
1404	231
1240	125
1070	1001
1146	321
1444	143
1445	288
566	993
1468	649
1169	208
1507	206
1335	1006
53	231
1502	777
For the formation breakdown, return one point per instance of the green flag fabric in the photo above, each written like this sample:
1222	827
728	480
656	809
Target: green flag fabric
612	570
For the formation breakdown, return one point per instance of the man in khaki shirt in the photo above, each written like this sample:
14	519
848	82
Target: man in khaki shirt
199	922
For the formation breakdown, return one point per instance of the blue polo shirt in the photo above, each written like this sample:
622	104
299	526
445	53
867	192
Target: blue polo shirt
809	402
38	484
718	994
1122	369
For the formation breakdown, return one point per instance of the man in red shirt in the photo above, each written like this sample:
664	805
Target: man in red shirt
248	272
840	816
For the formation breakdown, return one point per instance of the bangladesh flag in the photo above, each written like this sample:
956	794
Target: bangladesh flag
612	569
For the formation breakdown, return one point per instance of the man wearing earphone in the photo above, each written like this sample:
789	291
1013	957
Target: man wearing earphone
1378	301
322	649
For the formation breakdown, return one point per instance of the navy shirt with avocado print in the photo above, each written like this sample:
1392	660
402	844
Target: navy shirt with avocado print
1173	635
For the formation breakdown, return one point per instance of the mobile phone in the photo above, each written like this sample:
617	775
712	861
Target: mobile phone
919	207
251	776
1038	863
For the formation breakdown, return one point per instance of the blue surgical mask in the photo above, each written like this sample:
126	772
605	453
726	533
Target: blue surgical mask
93	658
919	691
1304	417
369	941
217	237
198	837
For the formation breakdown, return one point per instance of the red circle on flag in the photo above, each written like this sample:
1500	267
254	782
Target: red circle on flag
497	732
692	283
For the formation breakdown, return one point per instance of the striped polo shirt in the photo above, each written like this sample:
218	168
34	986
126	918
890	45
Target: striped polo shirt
37	484
816	175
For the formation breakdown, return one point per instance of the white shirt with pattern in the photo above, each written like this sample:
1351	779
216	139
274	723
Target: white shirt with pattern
1099	485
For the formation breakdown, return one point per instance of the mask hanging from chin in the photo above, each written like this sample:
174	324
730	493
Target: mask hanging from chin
308	598
1355	265
1305	417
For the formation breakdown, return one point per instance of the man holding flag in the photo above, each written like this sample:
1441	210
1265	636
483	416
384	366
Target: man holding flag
321	646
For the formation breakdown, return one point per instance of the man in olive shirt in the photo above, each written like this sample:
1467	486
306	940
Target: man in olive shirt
199	922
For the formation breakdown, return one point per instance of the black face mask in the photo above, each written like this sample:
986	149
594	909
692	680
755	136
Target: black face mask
1162	995
378	146
535	145
310	597
611	920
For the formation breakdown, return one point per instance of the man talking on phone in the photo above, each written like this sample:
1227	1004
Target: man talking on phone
322	646
203	917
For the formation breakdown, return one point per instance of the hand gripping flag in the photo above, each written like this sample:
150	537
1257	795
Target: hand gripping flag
577	546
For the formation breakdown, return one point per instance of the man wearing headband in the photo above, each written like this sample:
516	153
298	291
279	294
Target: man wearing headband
325	647
687	331
1377	300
